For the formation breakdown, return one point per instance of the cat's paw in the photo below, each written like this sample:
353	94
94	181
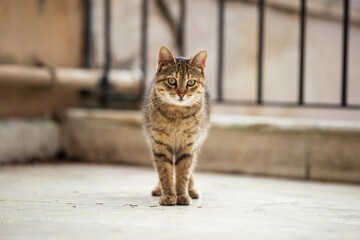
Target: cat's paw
194	194
183	200
167	200
156	191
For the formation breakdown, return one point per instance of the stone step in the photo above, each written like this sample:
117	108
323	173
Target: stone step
23	140
294	148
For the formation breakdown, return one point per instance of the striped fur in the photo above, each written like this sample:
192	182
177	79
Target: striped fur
176	127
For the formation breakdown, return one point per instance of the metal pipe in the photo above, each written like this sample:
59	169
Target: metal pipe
121	80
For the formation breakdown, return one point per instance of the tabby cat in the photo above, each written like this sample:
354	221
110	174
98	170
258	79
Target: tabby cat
176	116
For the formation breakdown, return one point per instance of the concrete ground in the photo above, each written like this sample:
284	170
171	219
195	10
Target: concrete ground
80	201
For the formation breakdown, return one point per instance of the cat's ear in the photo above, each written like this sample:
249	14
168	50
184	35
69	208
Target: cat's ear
199	60
165	58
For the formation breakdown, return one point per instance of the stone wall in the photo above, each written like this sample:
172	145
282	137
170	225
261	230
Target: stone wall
26	140
49	31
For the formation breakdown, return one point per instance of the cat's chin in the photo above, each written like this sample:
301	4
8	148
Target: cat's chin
179	103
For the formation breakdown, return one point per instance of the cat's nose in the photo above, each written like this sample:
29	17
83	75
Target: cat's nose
181	95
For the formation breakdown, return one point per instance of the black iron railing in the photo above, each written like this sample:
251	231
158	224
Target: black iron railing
302	51
104	81
345	53
220	51
260	51
343	103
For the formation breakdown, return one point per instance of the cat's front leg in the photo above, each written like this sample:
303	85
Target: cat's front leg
183	163
164	166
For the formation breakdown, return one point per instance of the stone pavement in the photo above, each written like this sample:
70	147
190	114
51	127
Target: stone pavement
88	201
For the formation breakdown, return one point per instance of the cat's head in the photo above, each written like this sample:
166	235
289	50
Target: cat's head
180	81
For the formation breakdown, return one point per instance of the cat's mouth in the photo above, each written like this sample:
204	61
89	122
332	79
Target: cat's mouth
179	101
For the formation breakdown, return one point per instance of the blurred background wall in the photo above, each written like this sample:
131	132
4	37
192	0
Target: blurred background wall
49	31
37	32
34	33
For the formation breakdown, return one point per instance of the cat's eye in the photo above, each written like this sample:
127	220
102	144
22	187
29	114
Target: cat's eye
172	81
191	82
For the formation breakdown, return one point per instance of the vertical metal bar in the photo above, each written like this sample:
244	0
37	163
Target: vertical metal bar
345	52
87	35
220	51
302	51
104	84
182	27
260	50
144	34
107	35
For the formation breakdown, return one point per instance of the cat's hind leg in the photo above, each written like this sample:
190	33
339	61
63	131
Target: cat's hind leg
156	190
194	194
